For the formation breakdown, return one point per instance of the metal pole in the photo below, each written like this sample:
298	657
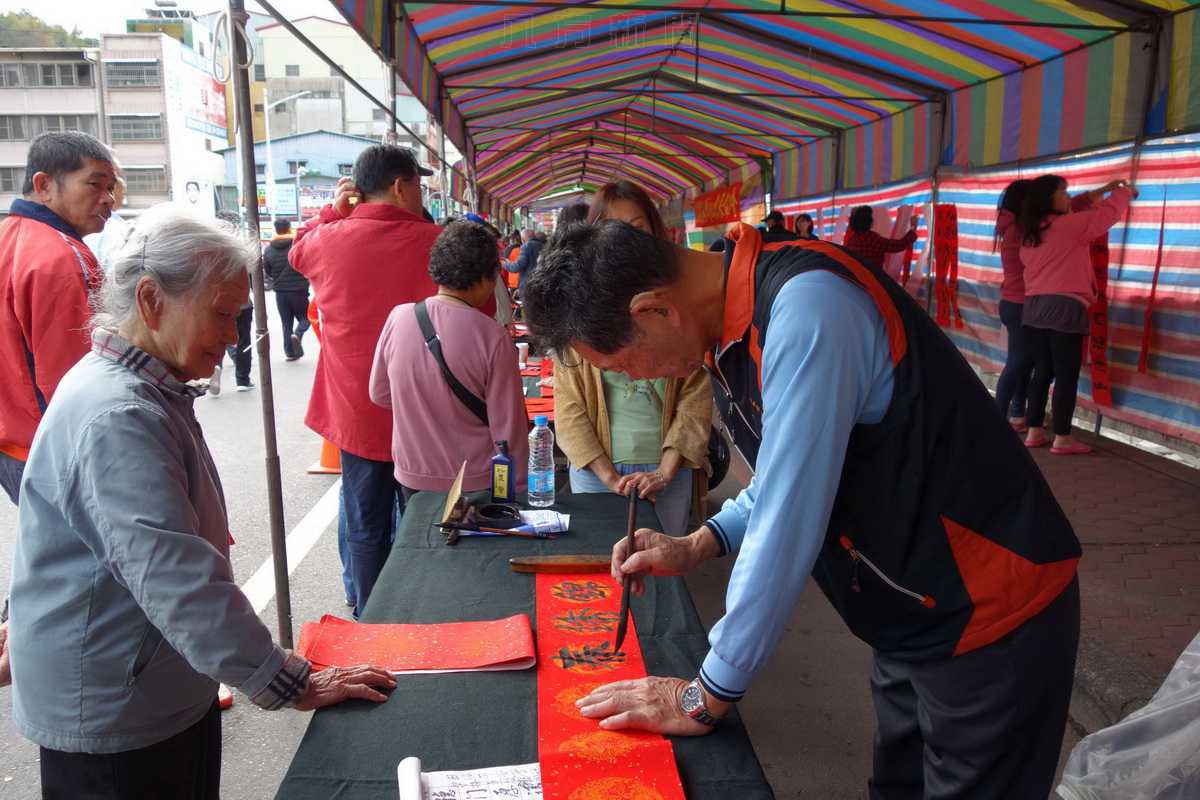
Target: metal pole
269	173
242	107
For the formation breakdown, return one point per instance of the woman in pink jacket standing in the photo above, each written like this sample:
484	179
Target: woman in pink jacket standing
1060	286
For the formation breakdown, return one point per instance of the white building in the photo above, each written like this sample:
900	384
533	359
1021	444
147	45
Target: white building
290	67
166	116
42	89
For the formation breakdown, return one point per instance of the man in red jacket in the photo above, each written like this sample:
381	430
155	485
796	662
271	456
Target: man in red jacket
362	262
47	276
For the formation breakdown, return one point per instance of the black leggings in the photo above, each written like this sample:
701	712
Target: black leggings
1059	356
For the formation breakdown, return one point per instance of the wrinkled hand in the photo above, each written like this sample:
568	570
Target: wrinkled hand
648	704
5	669
345	195
648	484
657	554
334	685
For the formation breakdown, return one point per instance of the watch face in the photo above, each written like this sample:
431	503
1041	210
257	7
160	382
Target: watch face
692	699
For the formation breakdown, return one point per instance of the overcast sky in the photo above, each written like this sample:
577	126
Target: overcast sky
95	17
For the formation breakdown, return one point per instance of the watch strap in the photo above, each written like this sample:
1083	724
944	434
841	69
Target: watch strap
700	712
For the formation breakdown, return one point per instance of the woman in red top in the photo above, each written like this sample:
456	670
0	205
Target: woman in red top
1014	378
869	245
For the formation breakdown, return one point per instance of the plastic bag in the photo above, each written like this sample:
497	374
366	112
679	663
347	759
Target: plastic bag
1153	754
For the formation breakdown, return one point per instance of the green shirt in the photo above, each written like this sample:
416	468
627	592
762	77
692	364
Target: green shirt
635	414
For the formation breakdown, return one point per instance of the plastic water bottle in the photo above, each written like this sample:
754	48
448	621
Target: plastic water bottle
541	464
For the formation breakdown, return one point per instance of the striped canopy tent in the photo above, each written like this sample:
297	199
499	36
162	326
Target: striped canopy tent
549	97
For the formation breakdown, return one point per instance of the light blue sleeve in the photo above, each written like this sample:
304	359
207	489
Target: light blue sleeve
826	367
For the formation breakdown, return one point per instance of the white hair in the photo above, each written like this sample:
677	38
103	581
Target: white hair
179	251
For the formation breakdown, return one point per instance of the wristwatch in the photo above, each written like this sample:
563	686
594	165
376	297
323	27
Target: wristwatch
692	703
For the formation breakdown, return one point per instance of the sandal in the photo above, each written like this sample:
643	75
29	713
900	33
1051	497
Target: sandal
1039	443
1074	449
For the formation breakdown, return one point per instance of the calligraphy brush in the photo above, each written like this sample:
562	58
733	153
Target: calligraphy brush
627	582
459	526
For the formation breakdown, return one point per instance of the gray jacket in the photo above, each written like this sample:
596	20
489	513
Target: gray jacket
124	611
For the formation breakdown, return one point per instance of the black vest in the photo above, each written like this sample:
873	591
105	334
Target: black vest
944	535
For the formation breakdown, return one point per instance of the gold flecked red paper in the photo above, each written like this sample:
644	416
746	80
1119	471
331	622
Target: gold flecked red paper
577	618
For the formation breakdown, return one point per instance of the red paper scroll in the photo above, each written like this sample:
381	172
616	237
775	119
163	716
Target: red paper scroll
1148	320
502	644
945	263
1098	343
577	619
718	206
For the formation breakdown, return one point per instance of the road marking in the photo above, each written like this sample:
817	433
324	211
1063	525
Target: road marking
261	586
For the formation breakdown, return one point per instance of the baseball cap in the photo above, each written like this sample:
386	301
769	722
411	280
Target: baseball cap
416	165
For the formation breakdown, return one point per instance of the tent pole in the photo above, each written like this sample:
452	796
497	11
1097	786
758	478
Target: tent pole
241	89
939	146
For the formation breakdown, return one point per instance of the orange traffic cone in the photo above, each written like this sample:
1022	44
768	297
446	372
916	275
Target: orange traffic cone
330	462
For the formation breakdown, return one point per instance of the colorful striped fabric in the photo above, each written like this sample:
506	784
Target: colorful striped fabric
558	97
1085	99
1183	102
886	151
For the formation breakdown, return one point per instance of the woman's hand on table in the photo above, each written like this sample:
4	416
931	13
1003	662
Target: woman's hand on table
649	704
334	685
660	554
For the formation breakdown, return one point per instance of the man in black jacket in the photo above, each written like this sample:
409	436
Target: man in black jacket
776	232
291	289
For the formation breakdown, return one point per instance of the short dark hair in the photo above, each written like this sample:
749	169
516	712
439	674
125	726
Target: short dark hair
580	290
861	219
377	167
774	216
282	226
576	212
464	254
59	154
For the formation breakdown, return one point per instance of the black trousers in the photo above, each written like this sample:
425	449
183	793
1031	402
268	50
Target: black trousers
986	725
185	767
1059	356
1014	379
293	312
241	353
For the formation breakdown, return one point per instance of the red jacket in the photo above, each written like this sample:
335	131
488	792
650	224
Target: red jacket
360	268
47	277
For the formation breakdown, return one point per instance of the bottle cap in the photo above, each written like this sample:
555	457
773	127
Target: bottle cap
541	419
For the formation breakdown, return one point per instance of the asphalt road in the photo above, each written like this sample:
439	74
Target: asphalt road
809	714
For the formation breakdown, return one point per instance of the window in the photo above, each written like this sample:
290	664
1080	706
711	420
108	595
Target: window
57	123
135	128
294	166
345	169
12	128
49	75
10	75
292	70
83	74
11	179
281	108
260	170
141	74
145	180
260	72
258	108
378	114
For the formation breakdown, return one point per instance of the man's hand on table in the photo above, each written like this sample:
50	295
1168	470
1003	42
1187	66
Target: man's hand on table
336	684
649	704
659	554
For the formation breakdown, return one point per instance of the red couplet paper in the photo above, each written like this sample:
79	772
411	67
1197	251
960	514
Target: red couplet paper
502	644
577	619
1098	314
945	264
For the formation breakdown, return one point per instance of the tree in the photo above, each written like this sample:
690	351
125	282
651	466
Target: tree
23	29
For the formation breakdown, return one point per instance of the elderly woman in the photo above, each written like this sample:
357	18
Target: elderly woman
124	611
621	433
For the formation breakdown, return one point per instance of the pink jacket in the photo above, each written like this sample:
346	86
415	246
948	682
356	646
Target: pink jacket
360	268
1012	288
432	431
1062	264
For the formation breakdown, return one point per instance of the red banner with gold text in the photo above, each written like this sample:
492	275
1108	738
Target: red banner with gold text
719	206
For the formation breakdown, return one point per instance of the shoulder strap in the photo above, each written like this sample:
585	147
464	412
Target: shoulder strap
473	403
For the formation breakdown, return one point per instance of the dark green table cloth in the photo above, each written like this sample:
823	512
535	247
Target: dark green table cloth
471	720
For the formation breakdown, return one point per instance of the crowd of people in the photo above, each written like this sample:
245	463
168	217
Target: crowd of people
124	610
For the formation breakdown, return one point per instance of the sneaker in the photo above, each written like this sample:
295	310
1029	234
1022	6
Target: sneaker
214	383
245	387
297	350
